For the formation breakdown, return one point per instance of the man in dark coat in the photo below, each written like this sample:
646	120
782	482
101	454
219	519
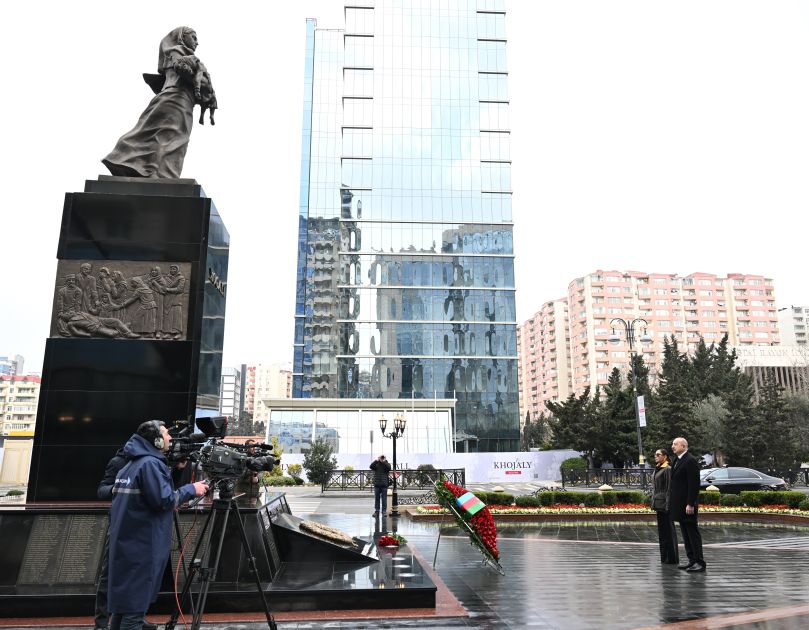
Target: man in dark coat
381	469
140	524
683	503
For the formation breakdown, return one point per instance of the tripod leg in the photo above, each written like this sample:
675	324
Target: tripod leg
253	568
209	572
196	563
178	533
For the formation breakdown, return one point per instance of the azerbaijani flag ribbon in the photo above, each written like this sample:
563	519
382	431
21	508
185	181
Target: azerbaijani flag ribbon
470	503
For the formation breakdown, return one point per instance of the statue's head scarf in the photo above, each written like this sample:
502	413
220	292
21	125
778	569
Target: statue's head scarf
172	46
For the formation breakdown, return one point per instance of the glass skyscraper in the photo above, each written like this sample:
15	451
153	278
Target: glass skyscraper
405	252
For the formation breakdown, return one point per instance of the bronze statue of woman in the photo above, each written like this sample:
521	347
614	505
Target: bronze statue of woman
156	146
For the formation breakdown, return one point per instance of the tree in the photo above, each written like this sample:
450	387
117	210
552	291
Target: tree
615	425
797	406
319	462
711	416
535	434
772	431
572	425
277	451
672	413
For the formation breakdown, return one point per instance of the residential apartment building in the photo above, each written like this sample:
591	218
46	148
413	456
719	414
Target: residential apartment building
19	396
230	392
405	277
794	324
266	381
684	307
12	364
543	347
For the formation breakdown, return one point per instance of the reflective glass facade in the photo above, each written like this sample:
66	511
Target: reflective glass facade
406	260
354	430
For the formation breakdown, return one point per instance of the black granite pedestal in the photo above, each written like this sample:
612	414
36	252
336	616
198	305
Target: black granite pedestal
53	556
123	347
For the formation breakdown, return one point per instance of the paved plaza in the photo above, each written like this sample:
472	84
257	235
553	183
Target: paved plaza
585	575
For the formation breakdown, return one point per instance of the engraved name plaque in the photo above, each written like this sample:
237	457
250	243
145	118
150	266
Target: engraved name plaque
63	549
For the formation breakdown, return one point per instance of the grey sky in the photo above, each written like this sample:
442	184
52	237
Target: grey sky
658	136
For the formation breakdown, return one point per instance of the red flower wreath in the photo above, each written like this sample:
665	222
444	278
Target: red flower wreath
482	522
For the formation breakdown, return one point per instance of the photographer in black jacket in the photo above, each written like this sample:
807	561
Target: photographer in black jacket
381	469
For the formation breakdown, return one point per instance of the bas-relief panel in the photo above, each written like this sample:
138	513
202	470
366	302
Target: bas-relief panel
121	299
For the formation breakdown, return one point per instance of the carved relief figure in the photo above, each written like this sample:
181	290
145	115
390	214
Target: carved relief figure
156	283
104	283
69	296
156	146
144	317
89	289
147	304
80	324
73	321
172	303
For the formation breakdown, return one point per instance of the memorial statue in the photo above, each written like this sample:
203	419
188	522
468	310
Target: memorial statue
156	146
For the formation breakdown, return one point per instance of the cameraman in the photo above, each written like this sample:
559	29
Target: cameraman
249	482
381	469
140	524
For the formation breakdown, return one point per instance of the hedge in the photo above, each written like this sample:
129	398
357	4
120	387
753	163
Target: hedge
804	505
630	496
574	463
730	500
709	498
529	501
276	480
495	498
757	498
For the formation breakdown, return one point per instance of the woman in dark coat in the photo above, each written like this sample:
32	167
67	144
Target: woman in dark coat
156	146
666	533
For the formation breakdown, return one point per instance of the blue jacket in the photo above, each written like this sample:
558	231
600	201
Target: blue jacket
141	526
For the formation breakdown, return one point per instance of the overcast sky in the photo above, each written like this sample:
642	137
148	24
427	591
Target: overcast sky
655	136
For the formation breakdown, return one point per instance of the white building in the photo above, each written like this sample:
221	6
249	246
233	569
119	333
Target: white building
267	381
230	392
11	365
789	365
794	324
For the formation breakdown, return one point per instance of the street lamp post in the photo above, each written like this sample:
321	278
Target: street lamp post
399	422
614	338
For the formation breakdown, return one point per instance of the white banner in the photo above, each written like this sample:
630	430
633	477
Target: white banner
533	466
641	412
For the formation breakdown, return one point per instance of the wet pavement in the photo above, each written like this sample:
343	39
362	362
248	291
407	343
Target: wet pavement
570	576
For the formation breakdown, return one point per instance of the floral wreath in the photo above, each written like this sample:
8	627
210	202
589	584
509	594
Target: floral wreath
327	532
473	516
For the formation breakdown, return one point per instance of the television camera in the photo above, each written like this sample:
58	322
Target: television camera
219	460
223	463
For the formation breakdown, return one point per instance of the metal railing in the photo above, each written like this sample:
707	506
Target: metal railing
797	478
406	479
615	477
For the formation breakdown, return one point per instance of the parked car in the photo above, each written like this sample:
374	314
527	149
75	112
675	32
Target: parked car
734	479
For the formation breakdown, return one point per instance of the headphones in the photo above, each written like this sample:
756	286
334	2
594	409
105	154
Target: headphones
159	442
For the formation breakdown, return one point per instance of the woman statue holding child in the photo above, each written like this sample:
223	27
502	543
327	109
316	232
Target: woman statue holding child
156	146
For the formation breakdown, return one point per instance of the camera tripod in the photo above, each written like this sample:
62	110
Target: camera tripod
205	568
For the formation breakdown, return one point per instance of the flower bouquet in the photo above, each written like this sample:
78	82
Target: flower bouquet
391	539
473	516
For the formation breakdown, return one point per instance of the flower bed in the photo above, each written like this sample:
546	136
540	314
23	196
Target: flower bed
619	508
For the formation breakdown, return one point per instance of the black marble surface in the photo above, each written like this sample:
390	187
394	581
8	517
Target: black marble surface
95	392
